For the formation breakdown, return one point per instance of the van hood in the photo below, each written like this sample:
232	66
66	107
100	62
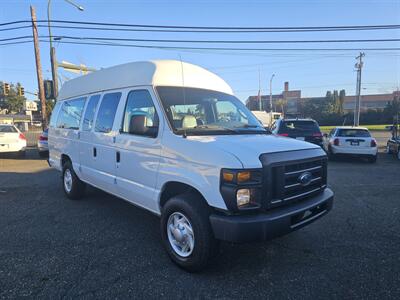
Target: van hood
247	148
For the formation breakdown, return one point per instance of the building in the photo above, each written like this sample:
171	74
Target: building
21	121
292	98
253	102
375	101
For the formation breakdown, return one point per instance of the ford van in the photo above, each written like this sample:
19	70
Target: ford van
172	138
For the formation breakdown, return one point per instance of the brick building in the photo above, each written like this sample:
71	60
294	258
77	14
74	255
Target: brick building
373	101
253	102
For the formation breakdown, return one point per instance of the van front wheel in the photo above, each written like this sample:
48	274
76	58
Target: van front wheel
73	187
186	232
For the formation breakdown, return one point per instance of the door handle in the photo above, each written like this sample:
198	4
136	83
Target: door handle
118	156
94	152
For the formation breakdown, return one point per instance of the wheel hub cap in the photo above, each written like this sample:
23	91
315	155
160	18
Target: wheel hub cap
180	234
67	180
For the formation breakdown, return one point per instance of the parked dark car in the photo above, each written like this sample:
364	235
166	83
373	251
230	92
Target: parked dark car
393	144
300	129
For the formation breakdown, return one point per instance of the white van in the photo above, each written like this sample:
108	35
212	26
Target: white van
172	138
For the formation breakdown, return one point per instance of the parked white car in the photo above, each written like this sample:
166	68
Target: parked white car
172	138
347	140
12	140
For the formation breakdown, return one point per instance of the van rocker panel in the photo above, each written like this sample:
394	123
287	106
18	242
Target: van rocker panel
273	223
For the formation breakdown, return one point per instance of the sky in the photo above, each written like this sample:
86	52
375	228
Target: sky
312	72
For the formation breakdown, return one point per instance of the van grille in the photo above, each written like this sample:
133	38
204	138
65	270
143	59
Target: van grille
284	185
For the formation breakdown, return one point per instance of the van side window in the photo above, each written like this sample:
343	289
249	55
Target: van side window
140	116
71	113
89	113
107	110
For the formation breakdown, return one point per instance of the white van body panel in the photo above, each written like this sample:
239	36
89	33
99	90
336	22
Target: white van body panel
196	163
248	147
148	164
151	73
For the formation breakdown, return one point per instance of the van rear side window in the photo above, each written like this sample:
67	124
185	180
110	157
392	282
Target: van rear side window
89	113
107	110
71	113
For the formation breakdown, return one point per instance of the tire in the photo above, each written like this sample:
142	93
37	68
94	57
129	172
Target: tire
73	187
21	154
331	156
372	159
202	245
388	149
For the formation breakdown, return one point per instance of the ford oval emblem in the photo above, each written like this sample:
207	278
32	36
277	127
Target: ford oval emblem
305	178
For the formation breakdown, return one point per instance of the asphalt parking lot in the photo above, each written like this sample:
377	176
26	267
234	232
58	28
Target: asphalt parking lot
103	247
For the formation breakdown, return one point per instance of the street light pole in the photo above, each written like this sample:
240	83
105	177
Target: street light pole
270	100
53	59
359	66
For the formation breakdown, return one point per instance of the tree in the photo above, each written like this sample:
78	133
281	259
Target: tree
13	103
393	108
282	104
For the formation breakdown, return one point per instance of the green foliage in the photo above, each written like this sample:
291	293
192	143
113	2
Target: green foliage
393	108
12	102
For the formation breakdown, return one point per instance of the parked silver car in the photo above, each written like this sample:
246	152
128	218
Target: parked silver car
42	145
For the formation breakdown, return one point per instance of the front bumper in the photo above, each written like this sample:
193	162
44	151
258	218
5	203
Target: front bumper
274	223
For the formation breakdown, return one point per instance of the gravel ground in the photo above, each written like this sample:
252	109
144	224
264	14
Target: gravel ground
103	247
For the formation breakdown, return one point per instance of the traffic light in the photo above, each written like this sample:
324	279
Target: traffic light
6	89
48	89
21	91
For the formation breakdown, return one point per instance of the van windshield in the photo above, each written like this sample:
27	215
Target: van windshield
196	111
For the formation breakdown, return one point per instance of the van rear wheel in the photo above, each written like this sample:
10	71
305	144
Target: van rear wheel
73	187
186	232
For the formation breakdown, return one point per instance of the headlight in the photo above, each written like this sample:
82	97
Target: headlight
241	188
243	197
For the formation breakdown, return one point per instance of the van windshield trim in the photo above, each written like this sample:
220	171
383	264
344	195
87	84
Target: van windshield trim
206	112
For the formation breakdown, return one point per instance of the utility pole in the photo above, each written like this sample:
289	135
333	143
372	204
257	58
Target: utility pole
38	67
270	100
359	66
53	60
259	90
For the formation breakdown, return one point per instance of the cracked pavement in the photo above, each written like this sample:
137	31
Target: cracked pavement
103	247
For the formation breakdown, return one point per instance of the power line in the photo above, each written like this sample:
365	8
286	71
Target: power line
227	41
208	41
211	48
215	28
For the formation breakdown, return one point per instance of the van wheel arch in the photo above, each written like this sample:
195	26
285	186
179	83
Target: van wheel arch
175	188
65	158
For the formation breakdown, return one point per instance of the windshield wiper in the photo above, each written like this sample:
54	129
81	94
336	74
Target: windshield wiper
248	126
213	127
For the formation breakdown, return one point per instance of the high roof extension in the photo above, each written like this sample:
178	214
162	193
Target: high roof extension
144	73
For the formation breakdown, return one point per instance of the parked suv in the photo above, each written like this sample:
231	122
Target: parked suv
172	138
300	129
